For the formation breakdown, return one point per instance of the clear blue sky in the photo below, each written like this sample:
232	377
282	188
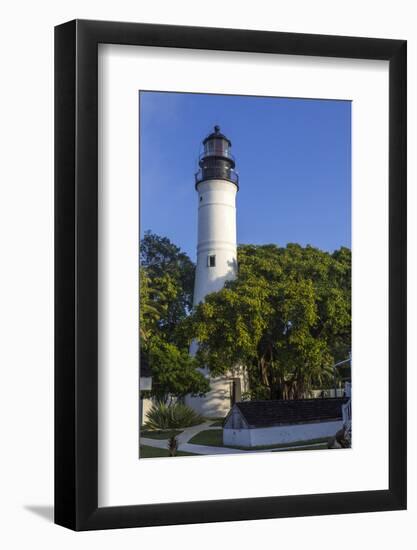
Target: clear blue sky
293	157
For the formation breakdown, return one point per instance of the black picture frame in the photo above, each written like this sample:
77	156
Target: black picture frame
76	271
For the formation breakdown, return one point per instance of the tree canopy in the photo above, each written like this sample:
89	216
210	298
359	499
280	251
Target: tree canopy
166	278
286	319
170	274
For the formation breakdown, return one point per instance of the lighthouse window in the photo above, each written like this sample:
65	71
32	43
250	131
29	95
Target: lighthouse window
212	260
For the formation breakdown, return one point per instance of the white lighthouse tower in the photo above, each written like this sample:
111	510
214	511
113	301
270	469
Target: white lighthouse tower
217	185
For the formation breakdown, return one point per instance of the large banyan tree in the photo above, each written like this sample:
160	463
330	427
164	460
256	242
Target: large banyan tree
286	319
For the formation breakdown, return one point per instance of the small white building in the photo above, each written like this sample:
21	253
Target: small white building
257	423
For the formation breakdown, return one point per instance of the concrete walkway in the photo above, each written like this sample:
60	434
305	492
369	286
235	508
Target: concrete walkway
184	437
190	447
189	433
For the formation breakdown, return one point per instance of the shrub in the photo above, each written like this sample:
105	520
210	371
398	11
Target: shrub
177	415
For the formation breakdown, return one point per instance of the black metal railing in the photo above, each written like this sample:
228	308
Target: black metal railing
221	153
217	173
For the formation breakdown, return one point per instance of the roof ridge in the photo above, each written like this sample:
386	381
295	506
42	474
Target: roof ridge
291	400
269	412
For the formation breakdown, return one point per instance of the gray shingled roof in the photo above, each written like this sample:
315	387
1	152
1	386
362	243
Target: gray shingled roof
261	414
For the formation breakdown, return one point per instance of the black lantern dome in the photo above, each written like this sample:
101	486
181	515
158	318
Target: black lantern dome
216	161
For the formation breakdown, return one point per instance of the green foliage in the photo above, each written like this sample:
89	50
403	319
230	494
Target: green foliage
170	282
155	297
286	319
177	415
174	371
166	285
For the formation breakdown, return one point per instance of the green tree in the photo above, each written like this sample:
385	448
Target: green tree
174	371
172	273
156	296
286	319
166	277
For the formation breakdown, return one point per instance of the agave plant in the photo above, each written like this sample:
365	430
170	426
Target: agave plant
176	415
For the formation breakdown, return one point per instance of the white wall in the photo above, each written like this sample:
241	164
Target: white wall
26	403
280	434
216	402
237	438
145	383
145	406
216	235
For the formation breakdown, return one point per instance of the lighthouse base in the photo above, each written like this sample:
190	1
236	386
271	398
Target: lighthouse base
225	392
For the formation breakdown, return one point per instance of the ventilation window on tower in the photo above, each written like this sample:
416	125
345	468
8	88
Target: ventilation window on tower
211	260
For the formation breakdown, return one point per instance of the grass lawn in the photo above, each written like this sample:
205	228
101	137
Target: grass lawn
153	452
303	448
160	434
299	445
214	438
